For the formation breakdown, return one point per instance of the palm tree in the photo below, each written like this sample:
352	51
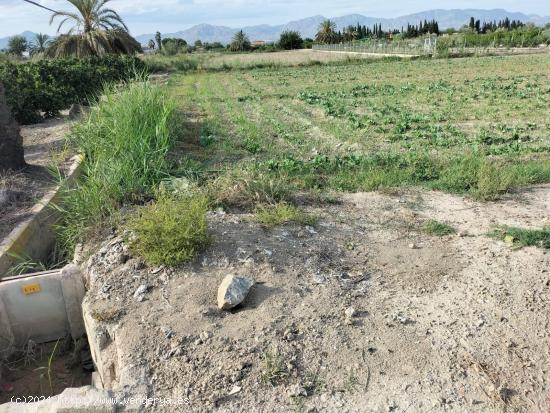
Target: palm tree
17	45
327	32
39	44
96	31
240	42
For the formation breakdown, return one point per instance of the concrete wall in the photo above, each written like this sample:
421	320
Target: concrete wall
35	237
40	307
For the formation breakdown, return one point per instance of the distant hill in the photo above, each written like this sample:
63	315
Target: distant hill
308	26
4	40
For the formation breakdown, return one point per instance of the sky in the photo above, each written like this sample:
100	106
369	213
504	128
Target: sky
148	16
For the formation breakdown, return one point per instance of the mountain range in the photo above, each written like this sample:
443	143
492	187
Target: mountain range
308	27
27	35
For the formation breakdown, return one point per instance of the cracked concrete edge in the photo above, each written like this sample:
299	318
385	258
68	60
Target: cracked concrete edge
72	286
115	370
35	236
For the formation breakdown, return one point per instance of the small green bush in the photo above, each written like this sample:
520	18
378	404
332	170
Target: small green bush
170	231
42	88
437	228
270	216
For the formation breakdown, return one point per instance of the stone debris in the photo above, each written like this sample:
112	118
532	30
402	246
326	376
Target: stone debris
311	230
401	318
235	390
319	279
233	291
296	390
205	335
139	294
350	312
168	332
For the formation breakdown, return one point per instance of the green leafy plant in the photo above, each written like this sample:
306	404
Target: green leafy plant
170	231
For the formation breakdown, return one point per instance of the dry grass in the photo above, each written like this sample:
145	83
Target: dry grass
287	58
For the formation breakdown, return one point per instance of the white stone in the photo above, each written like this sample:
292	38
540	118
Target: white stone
235	390
233	291
350	312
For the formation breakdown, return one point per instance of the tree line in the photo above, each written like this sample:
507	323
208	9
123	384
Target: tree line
328	33
486	27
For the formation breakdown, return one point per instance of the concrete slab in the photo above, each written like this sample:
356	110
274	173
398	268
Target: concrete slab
41	307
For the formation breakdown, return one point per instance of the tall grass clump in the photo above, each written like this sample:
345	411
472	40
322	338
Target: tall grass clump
124	141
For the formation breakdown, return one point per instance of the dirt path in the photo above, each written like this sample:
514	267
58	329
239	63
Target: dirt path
456	323
20	191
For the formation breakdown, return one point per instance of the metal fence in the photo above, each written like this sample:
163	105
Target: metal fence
407	47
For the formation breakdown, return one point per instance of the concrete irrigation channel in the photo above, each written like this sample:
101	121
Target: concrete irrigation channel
41	307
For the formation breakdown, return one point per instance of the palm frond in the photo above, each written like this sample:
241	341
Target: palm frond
96	31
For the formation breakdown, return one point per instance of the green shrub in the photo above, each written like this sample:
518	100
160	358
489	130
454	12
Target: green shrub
290	40
270	216
44	87
125	141
170	231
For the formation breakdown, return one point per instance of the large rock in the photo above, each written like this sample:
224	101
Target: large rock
233	291
11	143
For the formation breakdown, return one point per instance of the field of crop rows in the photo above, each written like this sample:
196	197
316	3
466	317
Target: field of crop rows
475	126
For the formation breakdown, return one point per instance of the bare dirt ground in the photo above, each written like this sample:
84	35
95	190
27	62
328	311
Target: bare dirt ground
19	191
456	323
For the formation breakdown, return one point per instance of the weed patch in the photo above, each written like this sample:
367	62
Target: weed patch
274	370
170	231
520	237
437	228
270	216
